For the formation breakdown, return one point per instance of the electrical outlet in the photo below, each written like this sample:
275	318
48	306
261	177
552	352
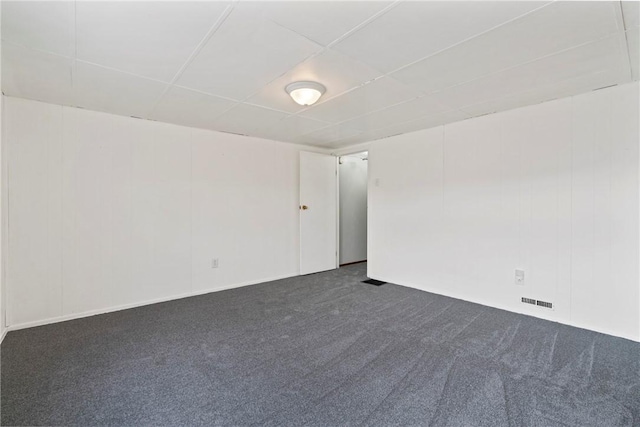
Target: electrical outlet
519	277
214	263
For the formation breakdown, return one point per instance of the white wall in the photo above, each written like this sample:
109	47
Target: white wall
108	211
3	207
353	209
552	188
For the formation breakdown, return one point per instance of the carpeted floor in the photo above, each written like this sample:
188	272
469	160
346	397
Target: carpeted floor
321	350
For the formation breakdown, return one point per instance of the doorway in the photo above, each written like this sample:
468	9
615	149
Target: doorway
353	178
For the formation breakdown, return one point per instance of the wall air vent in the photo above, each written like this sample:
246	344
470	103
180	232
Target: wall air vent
536	302
545	304
374	282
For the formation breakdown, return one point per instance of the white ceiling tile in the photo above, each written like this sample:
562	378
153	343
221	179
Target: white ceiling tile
151	39
604	55
320	21
189	108
420	123
633	43
426	105
291	127
549	92
245	54
631	12
259	122
36	75
43	25
346	142
111	91
415	29
556	27
249	120
373	96
327	135
337	72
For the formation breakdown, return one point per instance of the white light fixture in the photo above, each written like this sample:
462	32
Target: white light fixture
305	93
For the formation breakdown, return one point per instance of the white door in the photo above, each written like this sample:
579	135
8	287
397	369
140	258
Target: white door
318	212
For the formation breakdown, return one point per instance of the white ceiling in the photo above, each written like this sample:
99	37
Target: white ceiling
389	67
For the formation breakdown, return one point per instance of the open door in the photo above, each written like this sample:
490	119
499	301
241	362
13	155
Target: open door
318	212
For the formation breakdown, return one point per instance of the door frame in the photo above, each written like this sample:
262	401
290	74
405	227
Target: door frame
337	154
347	153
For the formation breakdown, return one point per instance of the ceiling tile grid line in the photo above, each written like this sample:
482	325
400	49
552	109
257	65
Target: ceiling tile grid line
505	62
414	119
375	111
117	70
366	22
514	67
628	18
524	63
216	25
349	32
248	48
626	29
75	29
73	64
203	93
106	67
35	49
73	80
524	15
619	12
438	26
469	108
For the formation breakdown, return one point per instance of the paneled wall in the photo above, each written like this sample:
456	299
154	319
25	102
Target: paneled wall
3	214
552	189
108	211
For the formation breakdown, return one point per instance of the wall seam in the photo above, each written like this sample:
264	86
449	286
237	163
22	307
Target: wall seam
191	209
571	187
5	176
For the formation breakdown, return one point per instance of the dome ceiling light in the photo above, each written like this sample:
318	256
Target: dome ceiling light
305	93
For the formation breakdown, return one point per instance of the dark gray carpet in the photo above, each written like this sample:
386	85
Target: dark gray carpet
323	350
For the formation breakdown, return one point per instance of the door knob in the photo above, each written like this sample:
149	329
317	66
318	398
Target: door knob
304	207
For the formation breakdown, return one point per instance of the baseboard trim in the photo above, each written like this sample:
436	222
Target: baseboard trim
90	313
541	315
352	263
4	334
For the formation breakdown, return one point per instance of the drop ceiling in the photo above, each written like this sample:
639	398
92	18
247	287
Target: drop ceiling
389	67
